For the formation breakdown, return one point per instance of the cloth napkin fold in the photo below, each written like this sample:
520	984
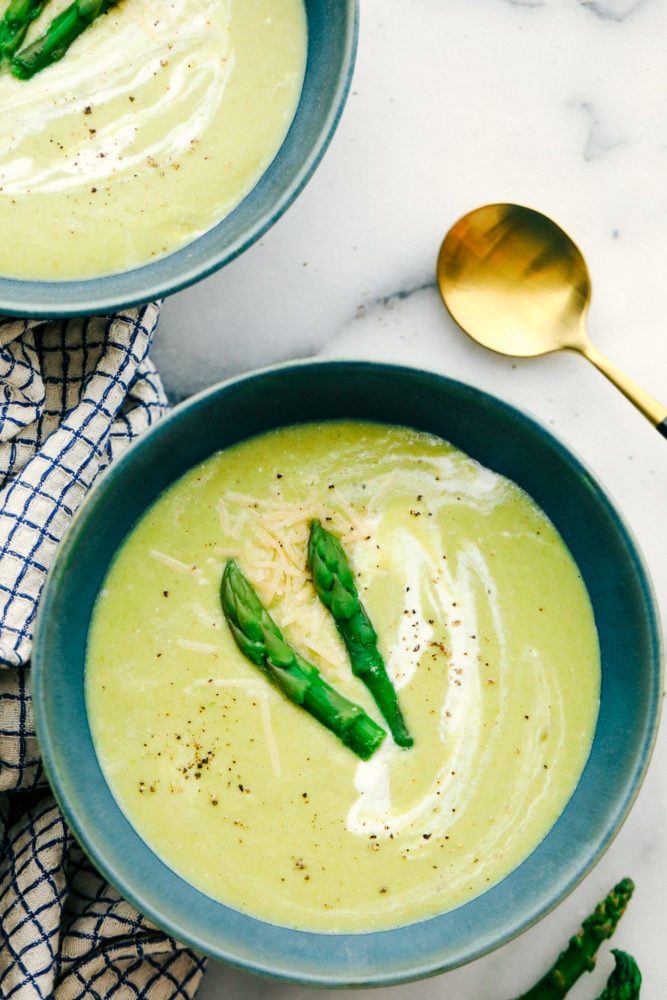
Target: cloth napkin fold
73	394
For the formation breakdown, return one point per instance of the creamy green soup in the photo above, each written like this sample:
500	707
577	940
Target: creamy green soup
487	632
152	128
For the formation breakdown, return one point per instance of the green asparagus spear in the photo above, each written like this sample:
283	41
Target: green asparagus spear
58	36
259	638
336	589
579	956
625	980
16	20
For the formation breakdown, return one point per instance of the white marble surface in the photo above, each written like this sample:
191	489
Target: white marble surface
559	104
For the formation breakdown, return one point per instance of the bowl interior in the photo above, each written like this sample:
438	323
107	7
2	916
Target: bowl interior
501	438
332	40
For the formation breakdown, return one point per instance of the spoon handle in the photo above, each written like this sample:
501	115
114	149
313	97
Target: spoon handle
645	403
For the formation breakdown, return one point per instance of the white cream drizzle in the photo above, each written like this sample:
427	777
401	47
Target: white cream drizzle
153	40
460	722
453	593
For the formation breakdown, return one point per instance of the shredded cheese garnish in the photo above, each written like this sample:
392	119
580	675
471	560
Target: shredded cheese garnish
205	618
168	560
196	647
269	734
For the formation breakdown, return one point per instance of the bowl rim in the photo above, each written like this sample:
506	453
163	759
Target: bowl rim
51	299
288	954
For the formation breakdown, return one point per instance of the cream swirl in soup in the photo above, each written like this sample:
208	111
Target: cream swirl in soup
151	129
484	623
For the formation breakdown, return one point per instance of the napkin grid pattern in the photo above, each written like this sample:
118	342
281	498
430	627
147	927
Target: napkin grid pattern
73	394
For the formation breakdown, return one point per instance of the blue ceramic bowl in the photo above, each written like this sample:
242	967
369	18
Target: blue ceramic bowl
332	41
501	438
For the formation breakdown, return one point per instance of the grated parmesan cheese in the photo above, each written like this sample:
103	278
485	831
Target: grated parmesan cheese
196	647
168	560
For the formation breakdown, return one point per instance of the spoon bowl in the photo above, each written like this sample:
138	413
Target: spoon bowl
516	283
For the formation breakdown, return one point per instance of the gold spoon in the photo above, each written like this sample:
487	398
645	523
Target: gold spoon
517	284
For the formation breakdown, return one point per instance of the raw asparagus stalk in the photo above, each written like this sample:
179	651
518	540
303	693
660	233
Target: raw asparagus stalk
16	20
625	980
260	640
579	956
58	36
336	589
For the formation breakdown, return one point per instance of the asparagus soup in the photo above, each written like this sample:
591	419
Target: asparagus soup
152	128
488	637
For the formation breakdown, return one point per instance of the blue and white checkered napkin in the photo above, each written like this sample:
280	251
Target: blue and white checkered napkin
73	394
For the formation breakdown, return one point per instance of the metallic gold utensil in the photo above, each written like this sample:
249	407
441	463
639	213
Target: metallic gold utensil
517	284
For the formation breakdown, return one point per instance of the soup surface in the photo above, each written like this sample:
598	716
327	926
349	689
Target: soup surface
486	629
151	129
